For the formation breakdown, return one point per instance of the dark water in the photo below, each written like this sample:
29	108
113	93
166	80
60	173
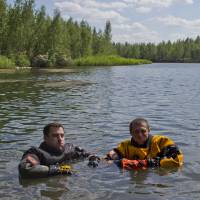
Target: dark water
96	105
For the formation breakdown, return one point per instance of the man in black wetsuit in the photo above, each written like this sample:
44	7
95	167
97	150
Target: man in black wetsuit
51	157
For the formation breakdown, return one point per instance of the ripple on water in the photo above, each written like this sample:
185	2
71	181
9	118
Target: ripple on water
96	106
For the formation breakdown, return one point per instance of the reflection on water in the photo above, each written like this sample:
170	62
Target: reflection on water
96	105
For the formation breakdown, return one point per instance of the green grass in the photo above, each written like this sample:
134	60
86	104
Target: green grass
109	61
6	63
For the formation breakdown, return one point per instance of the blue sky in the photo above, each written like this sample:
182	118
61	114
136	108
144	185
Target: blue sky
134	20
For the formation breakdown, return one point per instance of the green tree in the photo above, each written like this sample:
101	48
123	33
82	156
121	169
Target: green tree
40	30
195	54
135	49
107	32
106	46
3	16
53	33
86	39
95	42
74	38
27	26
19	27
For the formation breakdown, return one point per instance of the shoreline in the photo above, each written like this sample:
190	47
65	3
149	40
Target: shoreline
69	69
15	69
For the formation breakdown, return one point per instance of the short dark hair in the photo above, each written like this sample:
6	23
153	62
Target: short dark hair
138	121
46	129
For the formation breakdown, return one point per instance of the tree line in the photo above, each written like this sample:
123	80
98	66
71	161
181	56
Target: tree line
187	50
29	35
26	33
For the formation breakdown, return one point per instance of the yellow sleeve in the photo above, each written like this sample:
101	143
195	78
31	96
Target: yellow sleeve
121	149
169	162
164	142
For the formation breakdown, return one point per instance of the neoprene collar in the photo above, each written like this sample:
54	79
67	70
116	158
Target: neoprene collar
50	150
145	145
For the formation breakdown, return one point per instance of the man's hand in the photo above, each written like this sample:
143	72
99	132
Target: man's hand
139	164
112	155
60	169
30	159
134	164
93	161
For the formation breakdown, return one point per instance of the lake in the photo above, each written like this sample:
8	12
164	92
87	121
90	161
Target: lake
95	105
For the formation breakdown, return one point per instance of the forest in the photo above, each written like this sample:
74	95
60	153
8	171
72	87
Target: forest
30	37
187	50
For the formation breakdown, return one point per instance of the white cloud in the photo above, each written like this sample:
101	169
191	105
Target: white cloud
68	6
124	26
92	4
153	3
143	9
137	37
92	10
98	15
189	1
180	22
144	6
112	5
134	32
130	27
157	3
96	4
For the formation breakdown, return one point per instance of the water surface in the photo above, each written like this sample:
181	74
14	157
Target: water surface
96	105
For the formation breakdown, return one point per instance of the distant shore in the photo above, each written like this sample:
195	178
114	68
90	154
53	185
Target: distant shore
109	61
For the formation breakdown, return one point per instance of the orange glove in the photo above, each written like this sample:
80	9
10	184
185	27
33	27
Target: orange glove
134	164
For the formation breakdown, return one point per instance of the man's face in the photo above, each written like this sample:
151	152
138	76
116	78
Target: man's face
140	133
55	138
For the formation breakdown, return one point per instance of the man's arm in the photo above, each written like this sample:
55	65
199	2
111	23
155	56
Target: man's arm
30	167
171	156
82	153
112	155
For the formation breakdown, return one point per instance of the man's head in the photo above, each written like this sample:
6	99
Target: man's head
139	130
54	135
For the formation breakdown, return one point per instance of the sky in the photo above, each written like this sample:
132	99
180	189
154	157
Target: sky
133	21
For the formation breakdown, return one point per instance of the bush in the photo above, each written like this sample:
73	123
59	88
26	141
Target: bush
6	62
40	61
63	61
109	61
53	60
22	60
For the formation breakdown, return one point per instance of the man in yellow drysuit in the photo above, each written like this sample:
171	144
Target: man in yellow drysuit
145	150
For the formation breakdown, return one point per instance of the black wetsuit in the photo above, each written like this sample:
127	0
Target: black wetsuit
46	157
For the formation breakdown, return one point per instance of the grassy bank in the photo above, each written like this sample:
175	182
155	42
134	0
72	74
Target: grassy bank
112	60
108	61
6	63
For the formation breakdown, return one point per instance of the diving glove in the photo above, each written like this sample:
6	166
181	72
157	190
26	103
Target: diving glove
93	161
153	162
60	169
133	164
139	164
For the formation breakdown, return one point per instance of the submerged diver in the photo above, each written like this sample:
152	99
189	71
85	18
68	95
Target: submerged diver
145	150
51	156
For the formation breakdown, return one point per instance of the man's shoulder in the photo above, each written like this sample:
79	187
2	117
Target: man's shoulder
72	147
159	137
126	142
68	145
31	150
162	139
